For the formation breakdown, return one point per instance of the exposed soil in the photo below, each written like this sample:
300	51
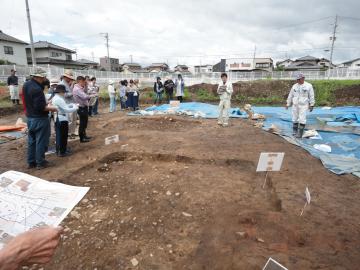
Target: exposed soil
350	94
180	193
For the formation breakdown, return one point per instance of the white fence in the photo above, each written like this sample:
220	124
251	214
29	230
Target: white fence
191	79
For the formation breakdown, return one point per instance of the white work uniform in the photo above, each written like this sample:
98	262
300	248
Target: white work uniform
225	100
14	92
301	96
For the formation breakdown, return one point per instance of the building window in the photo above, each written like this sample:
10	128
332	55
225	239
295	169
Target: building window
262	65
68	57
56	54
8	50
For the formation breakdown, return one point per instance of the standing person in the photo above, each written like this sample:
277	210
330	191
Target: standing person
92	91
61	121
37	119
302	98
81	98
96	90
225	90
158	89
180	85
112	96
136	95
68	81
169	89
53	83
122	93
130	90
13	84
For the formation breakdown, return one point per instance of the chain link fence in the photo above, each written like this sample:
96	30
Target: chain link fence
191	79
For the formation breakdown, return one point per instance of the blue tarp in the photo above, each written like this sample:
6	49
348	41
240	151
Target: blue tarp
192	108
338	127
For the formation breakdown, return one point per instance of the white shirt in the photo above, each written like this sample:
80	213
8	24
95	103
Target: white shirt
111	90
63	108
301	94
228	92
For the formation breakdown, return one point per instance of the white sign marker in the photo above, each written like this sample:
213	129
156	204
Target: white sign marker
270	162
273	265
112	139
308	200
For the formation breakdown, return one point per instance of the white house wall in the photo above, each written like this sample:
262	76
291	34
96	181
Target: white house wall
19	56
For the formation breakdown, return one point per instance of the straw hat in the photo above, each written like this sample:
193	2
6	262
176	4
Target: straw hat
68	73
39	72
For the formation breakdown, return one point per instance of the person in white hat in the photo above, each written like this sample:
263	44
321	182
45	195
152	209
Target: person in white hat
225	90
302	99
68	81
112	96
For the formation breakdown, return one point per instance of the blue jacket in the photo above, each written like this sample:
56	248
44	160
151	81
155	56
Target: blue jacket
35	101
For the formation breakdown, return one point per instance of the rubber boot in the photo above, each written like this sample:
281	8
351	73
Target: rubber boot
301	131
295	129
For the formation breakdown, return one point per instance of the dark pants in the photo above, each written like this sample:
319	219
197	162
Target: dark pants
158	97
169	95
95	107
135	102
180	98
90	110
123	103
38	139
62	130
83	113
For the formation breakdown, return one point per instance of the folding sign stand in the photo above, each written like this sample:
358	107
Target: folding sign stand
270	162
112	139
308	200
273	265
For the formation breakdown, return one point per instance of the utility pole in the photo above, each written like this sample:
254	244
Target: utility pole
92	55
131	58
75	53
106	35
333	38
254	57
30	34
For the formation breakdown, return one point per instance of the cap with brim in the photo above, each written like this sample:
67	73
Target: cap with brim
111	82
300	76
69	74
39	73
60	88
54	81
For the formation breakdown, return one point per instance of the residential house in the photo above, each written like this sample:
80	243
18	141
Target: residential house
89	64
131	67
244	65
353	64
309	63
12	49
47	53
284	63
203	69
157	67
110	64
182	69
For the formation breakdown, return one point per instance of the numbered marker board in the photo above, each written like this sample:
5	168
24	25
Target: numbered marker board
174	103
273	265
112	139
270	162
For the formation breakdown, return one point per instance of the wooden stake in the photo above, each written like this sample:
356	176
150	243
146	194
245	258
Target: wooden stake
265	180
303	209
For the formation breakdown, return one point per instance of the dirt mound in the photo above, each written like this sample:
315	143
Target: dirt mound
350	94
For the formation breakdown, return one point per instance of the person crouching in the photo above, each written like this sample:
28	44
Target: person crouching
61	120
225	90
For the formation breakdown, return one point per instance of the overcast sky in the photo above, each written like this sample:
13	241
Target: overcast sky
190	31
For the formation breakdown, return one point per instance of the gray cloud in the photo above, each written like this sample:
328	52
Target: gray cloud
182	31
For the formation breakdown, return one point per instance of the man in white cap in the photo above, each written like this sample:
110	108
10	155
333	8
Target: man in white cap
37	112
68	81
302	98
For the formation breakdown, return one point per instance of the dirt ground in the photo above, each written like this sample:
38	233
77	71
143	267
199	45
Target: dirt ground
182	193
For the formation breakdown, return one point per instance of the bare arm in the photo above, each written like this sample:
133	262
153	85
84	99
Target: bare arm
36	246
